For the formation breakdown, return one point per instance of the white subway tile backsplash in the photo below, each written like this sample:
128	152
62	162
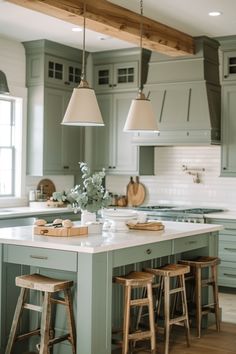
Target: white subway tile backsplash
172	185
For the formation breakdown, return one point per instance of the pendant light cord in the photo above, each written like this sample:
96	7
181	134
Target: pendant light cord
141	47
83	74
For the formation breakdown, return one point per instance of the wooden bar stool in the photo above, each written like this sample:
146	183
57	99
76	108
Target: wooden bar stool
197	266
48	287
132	281
166	289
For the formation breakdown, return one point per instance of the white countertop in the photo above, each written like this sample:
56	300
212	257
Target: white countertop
10	213
108	241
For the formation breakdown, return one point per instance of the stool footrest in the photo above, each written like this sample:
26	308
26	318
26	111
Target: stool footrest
139	302
139	335
27	335
176	290
177	319
32	307
59	339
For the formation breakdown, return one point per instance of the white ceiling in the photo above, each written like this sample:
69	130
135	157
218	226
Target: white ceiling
188	16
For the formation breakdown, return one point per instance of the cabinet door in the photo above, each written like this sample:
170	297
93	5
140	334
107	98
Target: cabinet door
72	143
228	165
229	65
62	72
125	154
125	75
53	114
116	76
102	142
103	77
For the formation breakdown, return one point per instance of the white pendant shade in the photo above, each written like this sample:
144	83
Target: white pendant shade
83	109
141	116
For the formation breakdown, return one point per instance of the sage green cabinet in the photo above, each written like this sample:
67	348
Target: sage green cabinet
51	76
228	152
113	149
227	252
116	76
52	148
228	122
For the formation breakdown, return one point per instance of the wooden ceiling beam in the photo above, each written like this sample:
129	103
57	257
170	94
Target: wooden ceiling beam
116	21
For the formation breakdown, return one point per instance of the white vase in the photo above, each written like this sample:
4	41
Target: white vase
87	217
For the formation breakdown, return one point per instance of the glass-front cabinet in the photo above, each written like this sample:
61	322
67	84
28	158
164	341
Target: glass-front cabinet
120	76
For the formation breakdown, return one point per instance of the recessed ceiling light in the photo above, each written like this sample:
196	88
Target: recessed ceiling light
77	29
215	13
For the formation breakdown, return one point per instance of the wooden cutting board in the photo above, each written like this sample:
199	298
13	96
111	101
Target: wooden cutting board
135	192
47	186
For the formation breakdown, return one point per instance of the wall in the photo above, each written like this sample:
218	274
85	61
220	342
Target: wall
13	64
171	185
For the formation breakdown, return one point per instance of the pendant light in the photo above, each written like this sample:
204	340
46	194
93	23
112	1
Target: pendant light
4	90
83	109
141	115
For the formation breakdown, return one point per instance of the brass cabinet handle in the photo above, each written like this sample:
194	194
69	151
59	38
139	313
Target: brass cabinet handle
191	242
38	257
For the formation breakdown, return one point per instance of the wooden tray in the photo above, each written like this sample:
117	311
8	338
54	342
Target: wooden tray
151	226
61	231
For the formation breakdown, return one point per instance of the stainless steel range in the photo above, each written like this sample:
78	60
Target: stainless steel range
194	215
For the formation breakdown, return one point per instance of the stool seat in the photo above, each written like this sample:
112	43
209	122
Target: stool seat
166	288
197	266
135	280
201	262
48	287
42	283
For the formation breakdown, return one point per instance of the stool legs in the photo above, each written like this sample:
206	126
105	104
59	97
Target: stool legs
126	323
45	324
185	309
70	319
216	297
16	318
198	301
167	312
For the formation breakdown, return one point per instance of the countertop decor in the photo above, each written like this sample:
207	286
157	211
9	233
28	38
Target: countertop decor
90	196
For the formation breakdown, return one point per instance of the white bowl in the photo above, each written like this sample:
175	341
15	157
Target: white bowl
116	219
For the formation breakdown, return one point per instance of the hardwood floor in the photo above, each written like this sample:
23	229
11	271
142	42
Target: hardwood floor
211	342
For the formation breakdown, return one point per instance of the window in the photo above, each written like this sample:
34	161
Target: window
7	147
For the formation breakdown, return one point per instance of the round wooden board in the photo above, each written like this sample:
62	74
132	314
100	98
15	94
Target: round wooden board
135	193
48	187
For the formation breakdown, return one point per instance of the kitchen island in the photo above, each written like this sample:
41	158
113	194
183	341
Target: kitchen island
93	261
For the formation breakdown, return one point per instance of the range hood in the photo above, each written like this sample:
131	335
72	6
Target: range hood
185	93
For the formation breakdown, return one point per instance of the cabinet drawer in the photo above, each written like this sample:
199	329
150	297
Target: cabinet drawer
227	251
40	257
190	243
141	253
227	276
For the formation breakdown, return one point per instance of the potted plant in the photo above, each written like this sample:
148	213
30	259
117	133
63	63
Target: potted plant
88	197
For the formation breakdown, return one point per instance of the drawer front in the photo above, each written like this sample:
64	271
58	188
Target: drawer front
227	251
40	257
227	276
141	253
189	243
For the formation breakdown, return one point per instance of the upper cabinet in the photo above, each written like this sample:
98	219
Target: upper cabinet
116	84
228	65
52	72
62	72
116	76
